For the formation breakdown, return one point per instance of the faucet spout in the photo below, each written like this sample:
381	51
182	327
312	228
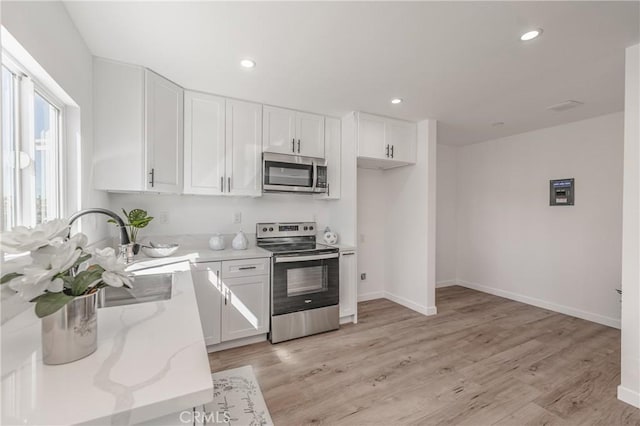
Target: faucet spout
124	235
126	248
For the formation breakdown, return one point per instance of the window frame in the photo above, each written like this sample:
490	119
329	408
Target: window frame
26	86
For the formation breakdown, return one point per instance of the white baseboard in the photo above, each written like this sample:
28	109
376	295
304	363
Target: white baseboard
424	310
235	343
629	396
363	297
567	310
446	283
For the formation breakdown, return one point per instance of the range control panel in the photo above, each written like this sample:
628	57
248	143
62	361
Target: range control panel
291	229
562	192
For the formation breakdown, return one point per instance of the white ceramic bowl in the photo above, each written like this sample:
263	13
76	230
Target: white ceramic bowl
160	250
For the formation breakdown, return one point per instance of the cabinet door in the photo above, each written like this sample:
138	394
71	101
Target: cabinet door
244	148
118	105
402	137
333	154
279	130
164	133
207	285
204	144
371	136
245	309
348	280
309	135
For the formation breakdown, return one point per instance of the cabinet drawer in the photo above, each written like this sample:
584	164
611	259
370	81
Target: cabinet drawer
245	268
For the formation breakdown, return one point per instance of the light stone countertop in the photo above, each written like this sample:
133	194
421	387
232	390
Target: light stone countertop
151	361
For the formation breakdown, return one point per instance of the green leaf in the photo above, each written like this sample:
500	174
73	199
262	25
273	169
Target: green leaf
84	279
8	277
137	215
49	303
112	221
82	259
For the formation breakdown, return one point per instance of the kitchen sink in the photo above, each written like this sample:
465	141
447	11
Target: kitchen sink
145	288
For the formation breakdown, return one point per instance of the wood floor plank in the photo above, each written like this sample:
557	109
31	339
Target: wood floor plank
482	360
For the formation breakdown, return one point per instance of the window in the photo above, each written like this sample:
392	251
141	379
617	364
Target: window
31	150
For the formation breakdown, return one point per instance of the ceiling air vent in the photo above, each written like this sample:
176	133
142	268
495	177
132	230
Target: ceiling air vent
563	106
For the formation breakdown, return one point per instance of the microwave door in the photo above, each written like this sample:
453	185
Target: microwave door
279	176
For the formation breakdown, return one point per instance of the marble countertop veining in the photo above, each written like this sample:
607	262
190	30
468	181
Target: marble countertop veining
151	361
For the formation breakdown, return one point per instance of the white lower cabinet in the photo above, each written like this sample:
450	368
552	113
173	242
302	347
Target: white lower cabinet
207	285
348	283
245	311
233	298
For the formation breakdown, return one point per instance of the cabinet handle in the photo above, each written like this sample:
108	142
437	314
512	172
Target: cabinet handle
298	146
221	184
153	177
225	298
229	184
348	254
328	190
392	151
245	268
293	145
387	153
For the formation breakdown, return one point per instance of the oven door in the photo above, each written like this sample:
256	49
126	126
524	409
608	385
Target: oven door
287	173
304	281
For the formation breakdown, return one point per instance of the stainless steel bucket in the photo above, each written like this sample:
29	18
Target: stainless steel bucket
71	333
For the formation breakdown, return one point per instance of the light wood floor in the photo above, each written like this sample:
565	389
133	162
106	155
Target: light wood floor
482	360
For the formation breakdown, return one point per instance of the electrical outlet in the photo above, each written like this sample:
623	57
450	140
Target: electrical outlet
363	276
237	217
163	217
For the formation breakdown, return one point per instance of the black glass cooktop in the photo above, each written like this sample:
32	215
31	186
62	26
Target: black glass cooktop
297	247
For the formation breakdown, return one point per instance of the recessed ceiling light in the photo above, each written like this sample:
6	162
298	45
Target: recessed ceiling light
530	35
247	63
396	101
498	124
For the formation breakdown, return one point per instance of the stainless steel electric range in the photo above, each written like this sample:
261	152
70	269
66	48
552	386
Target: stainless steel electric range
305	280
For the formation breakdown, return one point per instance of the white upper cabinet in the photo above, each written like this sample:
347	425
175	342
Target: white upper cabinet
204	144
292	132
279	130
371	136
333	154
244	148
138	129
223	146
385	142
310	135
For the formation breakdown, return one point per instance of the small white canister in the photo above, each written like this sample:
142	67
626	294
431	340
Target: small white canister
240	241
216	242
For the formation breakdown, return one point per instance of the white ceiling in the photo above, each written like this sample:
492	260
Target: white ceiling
461	63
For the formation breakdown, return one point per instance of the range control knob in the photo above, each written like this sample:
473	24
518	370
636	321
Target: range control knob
264	229
271	229
311	228
305	228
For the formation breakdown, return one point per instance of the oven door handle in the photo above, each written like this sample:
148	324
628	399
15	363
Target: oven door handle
288	259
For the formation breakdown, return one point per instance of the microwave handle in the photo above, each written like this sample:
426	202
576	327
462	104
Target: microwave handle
315	176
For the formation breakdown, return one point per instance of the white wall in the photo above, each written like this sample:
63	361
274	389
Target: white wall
512	243
47	33
372	227
191	214
446	233
629	389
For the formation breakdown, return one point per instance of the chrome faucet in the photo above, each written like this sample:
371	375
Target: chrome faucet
125	246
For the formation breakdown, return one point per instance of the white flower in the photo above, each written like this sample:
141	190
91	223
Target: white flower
21	238
116	279
47	263
106	258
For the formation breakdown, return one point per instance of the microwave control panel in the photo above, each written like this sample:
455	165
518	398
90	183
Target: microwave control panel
562	192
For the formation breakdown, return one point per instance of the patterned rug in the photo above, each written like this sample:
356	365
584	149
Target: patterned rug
237	399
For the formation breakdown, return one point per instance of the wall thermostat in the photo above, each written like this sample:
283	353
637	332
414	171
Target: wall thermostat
562	192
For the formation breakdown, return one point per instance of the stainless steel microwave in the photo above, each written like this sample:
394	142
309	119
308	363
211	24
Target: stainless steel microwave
293	173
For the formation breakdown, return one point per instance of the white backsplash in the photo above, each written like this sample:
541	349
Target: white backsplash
191	214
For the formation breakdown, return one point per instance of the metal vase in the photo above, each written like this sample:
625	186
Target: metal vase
71	333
